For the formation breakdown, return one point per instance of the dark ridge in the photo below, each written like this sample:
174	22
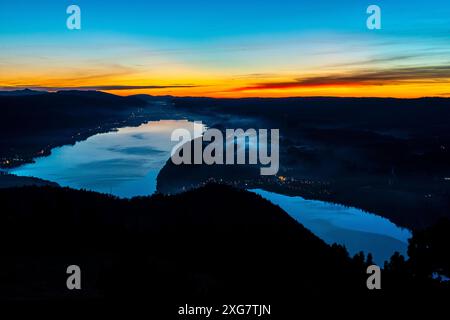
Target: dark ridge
24	92
30	125
209	245
10	181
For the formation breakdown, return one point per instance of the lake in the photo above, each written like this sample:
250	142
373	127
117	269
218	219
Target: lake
126	163
356	229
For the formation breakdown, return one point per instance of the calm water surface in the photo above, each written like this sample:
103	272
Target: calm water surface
125	162
354	228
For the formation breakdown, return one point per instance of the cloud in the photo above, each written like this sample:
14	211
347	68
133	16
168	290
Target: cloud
426	74
255	75
124	87
379	60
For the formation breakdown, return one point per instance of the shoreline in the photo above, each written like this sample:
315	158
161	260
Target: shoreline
9	163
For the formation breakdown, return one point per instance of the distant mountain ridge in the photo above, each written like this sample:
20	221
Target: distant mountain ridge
24	92
32	122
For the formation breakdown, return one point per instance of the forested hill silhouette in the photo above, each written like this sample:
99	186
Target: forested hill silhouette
213	244
366	113
31	122
10	181
386	156
24	92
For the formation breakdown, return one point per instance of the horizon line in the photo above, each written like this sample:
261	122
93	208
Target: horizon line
78	89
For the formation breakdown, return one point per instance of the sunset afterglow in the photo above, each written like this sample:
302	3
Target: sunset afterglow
228	52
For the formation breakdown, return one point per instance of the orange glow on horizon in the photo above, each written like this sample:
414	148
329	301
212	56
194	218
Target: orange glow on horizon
356	90
199	83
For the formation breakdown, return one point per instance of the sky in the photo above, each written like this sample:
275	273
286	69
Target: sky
232	48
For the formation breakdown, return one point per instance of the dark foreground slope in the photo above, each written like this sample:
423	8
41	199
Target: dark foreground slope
211	245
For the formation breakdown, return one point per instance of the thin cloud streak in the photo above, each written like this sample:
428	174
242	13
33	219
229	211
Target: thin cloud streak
430	74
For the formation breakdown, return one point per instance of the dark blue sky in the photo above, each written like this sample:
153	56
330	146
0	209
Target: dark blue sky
203	19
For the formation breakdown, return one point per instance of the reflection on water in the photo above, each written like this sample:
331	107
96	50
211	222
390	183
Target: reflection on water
125	162
354	228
